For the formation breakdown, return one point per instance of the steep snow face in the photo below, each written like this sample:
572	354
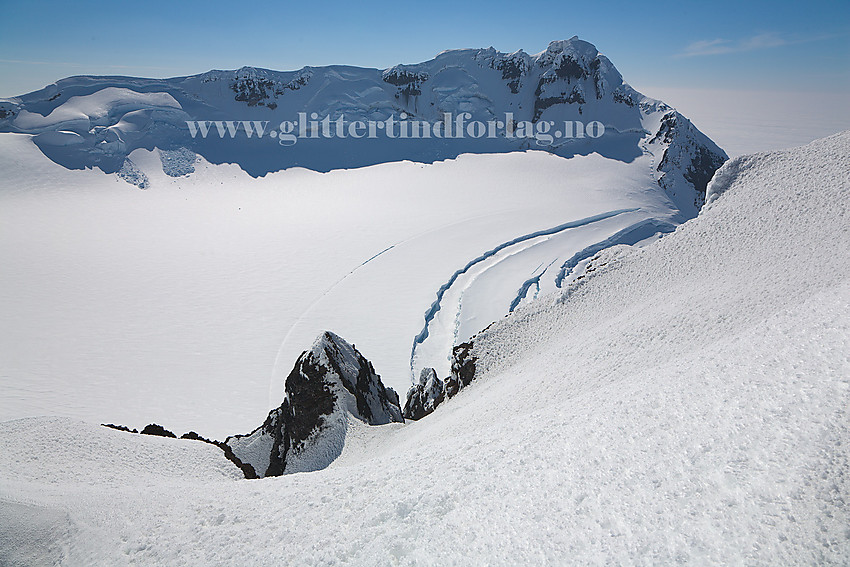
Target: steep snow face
765	213
546	101
307	432
686	402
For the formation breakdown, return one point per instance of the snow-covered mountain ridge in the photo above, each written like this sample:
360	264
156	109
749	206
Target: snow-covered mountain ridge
99	121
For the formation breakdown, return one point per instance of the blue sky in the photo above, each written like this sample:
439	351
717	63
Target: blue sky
788	45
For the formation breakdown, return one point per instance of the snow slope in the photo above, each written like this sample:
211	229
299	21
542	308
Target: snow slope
686	402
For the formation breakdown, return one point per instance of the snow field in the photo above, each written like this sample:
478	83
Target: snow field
187	304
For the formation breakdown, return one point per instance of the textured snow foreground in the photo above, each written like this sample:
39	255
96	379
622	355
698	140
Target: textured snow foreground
682	403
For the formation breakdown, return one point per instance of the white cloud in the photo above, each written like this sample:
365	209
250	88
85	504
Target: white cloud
759	41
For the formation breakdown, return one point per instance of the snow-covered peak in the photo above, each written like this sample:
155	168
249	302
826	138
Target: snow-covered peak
328	340
573	46
572	57
364	395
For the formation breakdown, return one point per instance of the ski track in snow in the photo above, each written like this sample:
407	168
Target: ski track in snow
272	389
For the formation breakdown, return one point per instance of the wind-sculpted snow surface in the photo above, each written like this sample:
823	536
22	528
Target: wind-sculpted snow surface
682	403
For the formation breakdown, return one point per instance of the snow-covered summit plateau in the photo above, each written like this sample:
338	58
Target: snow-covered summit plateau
681	403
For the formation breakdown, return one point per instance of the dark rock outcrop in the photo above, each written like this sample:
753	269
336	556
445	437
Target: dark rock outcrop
463	364
513	67
257	87
463	368
407	81
424	396
688	162
119	427
158	430
329	383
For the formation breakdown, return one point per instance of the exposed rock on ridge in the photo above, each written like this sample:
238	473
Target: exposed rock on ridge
329	383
